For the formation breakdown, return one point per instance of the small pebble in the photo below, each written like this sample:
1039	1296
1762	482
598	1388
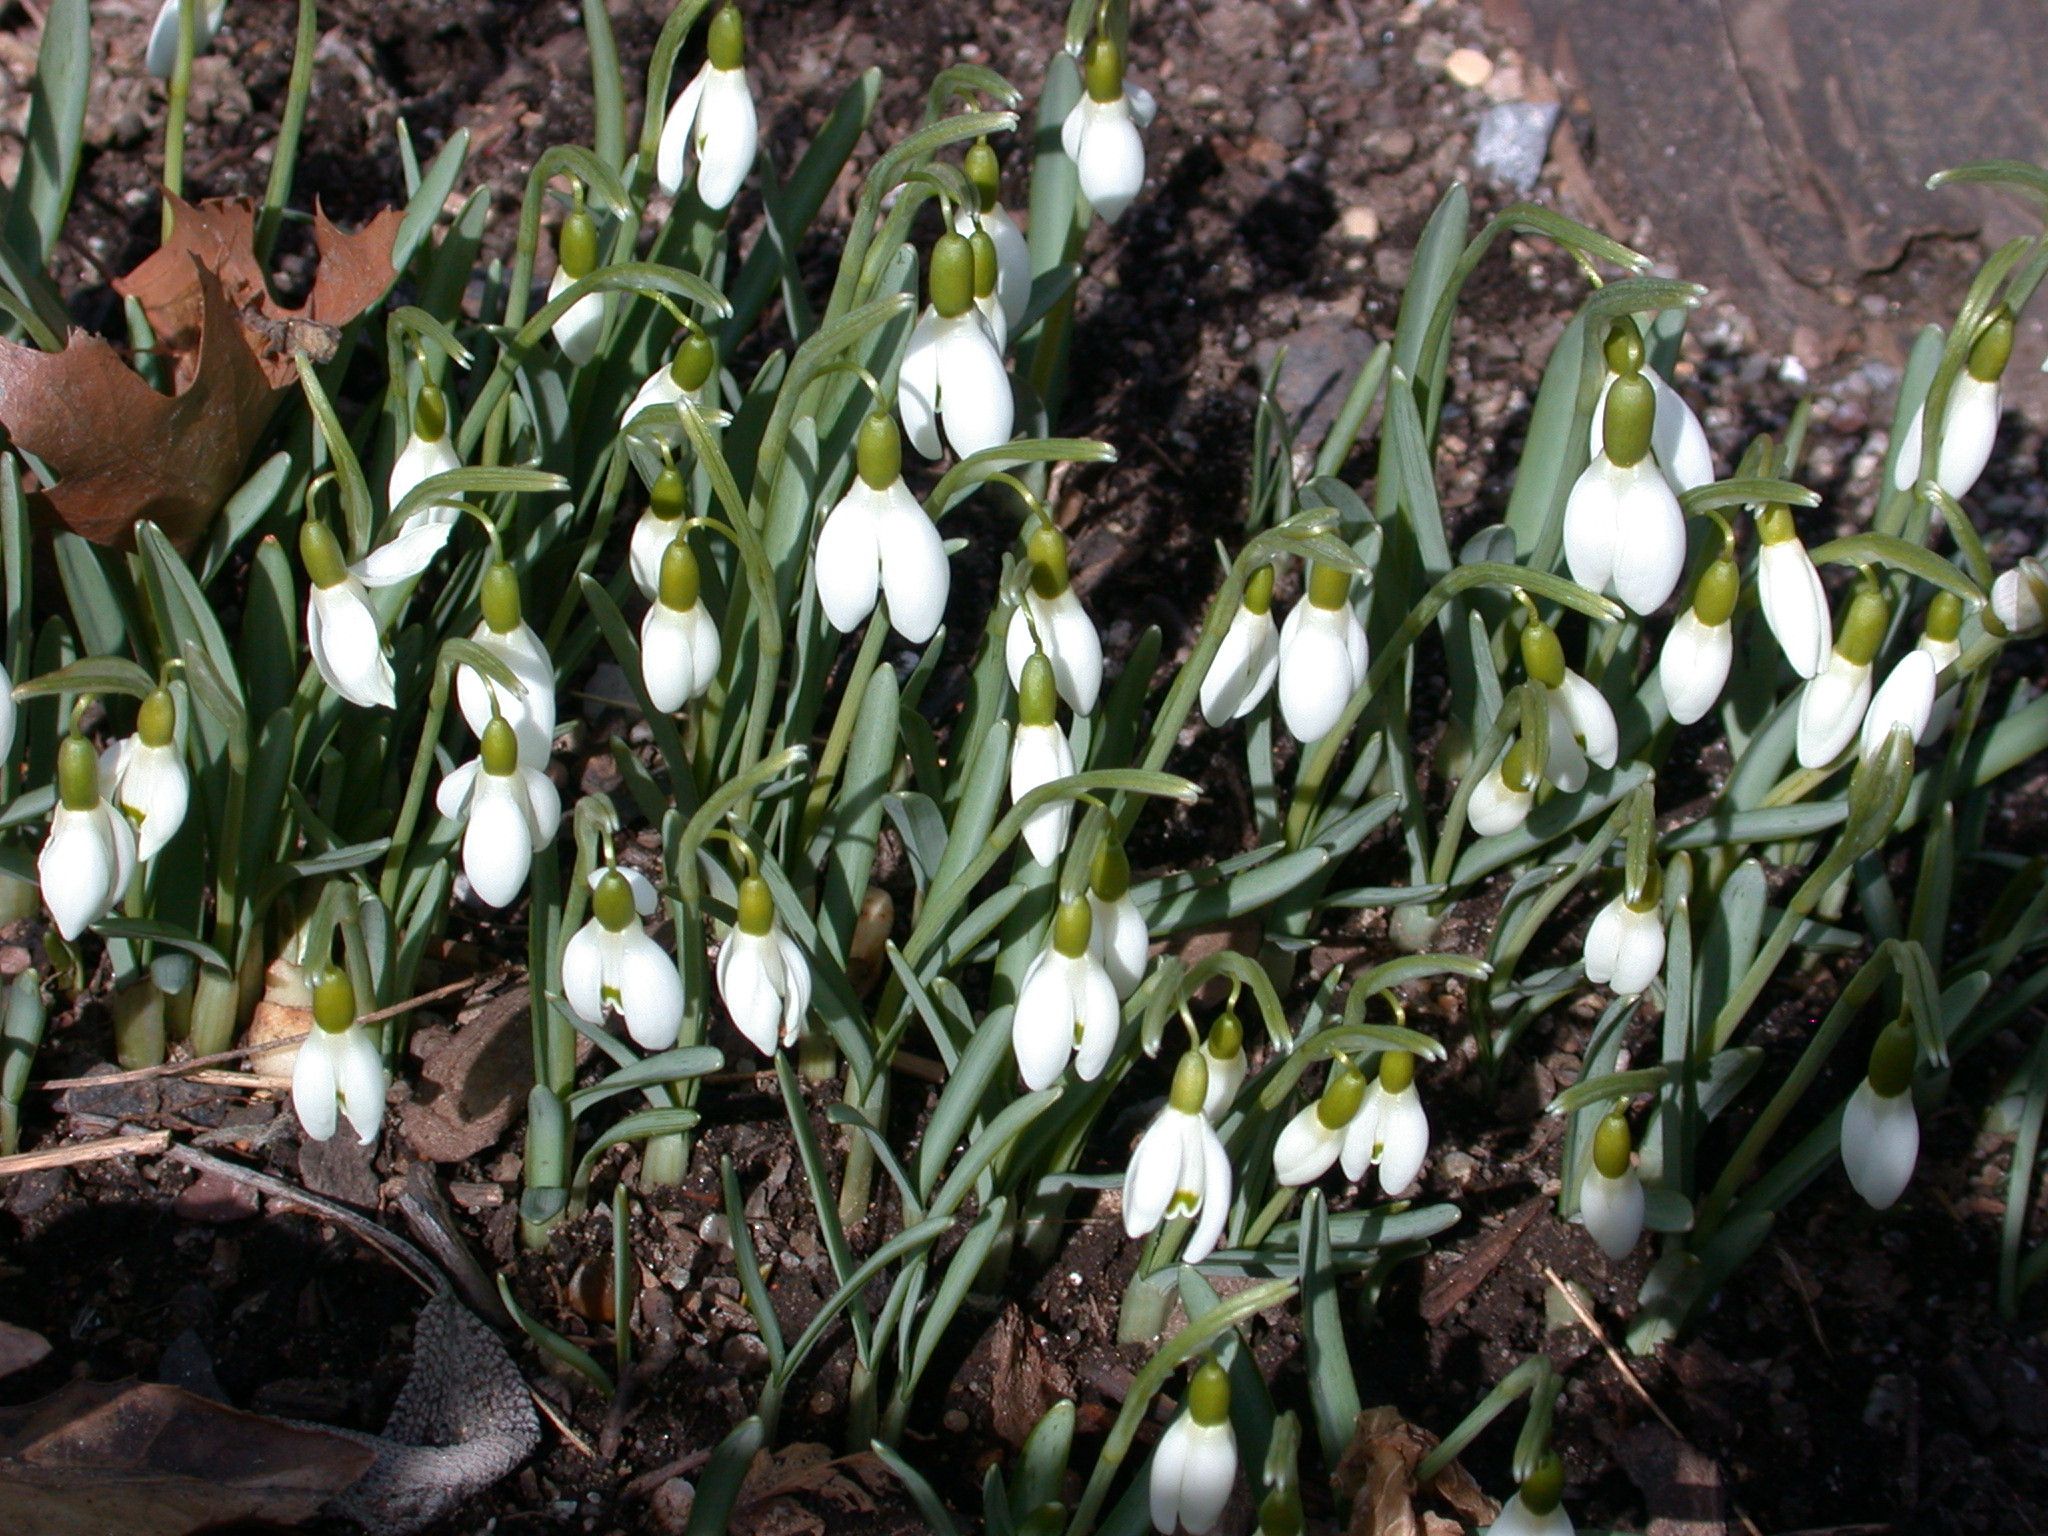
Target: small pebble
1468	67
955	1422
1360	223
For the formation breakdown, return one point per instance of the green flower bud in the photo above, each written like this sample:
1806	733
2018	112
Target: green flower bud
694	360
1329	586
1342	1095
501	598
1516	771
321	555
1046	550
1613	1147
1110	875
727	47
1280	1512
756	907
1190	1084
334	1001
1397	1071
1542	654
1037	697
1543	1488
951	277
1226	1037
983	245
612	902
1105	70
157	721
1258	590
1713	600
576	245
1631	410
1863	630
1944	617
1992	349
879	453
430	414
667	498
1072	927
984	173
680	577
1774	524
78	774
1209	1395
1624	347
500	749
1891	1060
1652	894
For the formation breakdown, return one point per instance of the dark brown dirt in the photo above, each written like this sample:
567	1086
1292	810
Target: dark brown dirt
1854	1376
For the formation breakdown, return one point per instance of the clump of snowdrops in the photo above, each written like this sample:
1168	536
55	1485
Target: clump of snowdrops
287	763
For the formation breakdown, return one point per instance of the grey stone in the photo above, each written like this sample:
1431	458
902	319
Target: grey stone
1514	138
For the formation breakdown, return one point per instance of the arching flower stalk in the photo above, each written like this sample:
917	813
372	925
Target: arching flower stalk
611	965
1050	618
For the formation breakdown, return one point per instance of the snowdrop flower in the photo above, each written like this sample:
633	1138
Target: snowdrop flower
1223	1053
987	276
1040	755
1310	1144
581	326
342	631
1611	1194
1120	938
1795	607
1322	655
952	374
508	809
505	634
1101	136
144	775
1502	799
1623	530
1066	1002
878	540
161	57
691	376
428	451
679	644
1880	1130
1012	251
1195	1464
1905	702
1537	1509
763	978
1692	668
712	124
1970	422
1050	618
656	530
1939	640
1676	436
339	1070
610	963
1390	1128
1582	724
1831	706
89	856
1179	1168
1246	662
2019	598
1625	942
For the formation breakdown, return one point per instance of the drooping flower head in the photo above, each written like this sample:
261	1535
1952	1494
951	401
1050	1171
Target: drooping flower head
1611	1194
1625	941
1120	938
610	964
877	541
581	326
1390	1129
1179	1168
1970	421
1050	618
1505	794
505	634
161	56
1940	638
1692	668
1223	1050
508	810
1247	660
1100	134
712	127
1676	436
987	279
1323	655
1903	702
144	775
1039	755
1880	1130
2019	598
1066	1004
1789	590
1623	529
429	450
341	630
1831	706
680	648
1195	1465
89	856
1581	722
763	978
692	375
1537	1508
667	501
1310	1143
1012	251
952	377
338	1070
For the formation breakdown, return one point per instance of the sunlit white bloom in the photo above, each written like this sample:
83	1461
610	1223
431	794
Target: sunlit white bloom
1504	795
1624	532
429	450
1120	938
161	57
1676	436
691	376
1905	702
1692	668
1065	1003
1831	708
1390	1129
1100	134
342	630
89	856
1582	729
680	648
1013	252
2019	598
1625	945
712	126
1323	656
877	541
952	374
1050	618
504	634
1788	587
611	963
581	326
1179	1168
1966	440
1223	1052
656	530
1880	1143
763	978
1040	755
338	1070
508	810
1247	660
145	777
1942	651
1612	1210
1194	1466
1517	1519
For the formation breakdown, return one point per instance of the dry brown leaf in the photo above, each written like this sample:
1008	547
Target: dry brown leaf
150	1460
1375	1478
20	1348
121	451
473	1080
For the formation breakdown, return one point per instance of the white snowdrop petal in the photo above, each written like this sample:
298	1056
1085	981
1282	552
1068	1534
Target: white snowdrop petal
650	991
1042	1024
1306	1149
1403	1139
1880	1144
1906	702
359	1079
1169	1462
1612	1210
1216	1183
1973	406
915	576
1591	514
667	667
976	407
1121	941
342	634
678	130
1243	668
1152	1177
1565	765
1313	666
542	803
918	385
1795	605
313	1086
583	972
1040	755
497	847
1831	708
1207	1476
727	135
1591	718
1692	668
1650	528
77	869
1515	1519
1076	655
1495	807
417	461
1097	1011
1361	1138
1111	160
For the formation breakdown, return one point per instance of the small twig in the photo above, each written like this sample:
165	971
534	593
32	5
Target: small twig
548	1412
248	1082
217	1058
133	1145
